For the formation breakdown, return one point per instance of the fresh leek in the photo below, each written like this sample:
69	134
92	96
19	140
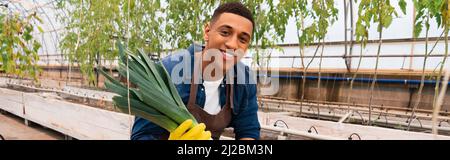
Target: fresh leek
154	98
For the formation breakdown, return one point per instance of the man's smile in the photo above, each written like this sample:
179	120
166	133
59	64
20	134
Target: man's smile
227	55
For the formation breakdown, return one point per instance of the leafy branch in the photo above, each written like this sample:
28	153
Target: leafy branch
18	48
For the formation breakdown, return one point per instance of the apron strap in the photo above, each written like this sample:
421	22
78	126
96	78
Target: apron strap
193	94
194	85
230	95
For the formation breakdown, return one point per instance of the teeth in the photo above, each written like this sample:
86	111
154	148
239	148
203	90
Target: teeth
227	54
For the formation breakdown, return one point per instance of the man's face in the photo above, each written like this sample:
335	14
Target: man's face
229	36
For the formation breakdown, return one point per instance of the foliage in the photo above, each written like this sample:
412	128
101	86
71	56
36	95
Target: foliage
18	48
425	10
380	12
157	25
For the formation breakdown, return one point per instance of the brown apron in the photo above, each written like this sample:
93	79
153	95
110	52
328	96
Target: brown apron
214	123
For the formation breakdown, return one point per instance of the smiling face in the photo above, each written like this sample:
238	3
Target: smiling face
229	36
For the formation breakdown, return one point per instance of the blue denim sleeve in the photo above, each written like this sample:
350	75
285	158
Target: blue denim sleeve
246	123
146	130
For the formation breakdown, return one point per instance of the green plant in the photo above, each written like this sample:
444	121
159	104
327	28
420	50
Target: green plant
185	21
18	48
444	15
94	26
426	10
324	14
158	26
382	13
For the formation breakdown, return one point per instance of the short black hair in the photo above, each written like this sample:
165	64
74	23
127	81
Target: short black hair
235	8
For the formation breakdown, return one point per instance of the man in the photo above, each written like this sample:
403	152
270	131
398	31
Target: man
215	99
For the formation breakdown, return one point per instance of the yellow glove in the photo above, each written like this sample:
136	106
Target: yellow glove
185	132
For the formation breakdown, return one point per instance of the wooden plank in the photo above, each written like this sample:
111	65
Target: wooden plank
342	130
75	120
13	128
386	119
11	102
359	107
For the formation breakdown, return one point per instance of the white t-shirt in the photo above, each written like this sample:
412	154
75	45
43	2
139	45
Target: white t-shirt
212	103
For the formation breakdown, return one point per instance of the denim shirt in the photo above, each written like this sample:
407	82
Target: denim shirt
244	118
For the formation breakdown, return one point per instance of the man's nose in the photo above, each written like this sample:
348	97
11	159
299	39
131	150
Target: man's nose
232	43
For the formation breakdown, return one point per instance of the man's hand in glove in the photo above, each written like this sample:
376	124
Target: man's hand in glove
185	132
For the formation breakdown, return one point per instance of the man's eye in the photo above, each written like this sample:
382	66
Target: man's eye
243	40
225	33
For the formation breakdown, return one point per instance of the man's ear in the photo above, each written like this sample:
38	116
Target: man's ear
206	30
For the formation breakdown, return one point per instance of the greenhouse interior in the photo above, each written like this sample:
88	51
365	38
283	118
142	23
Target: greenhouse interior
315	69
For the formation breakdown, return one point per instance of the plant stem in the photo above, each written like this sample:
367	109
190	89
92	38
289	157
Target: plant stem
423	76
299	40
319	79
436	106
380	42
356	72
305	69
